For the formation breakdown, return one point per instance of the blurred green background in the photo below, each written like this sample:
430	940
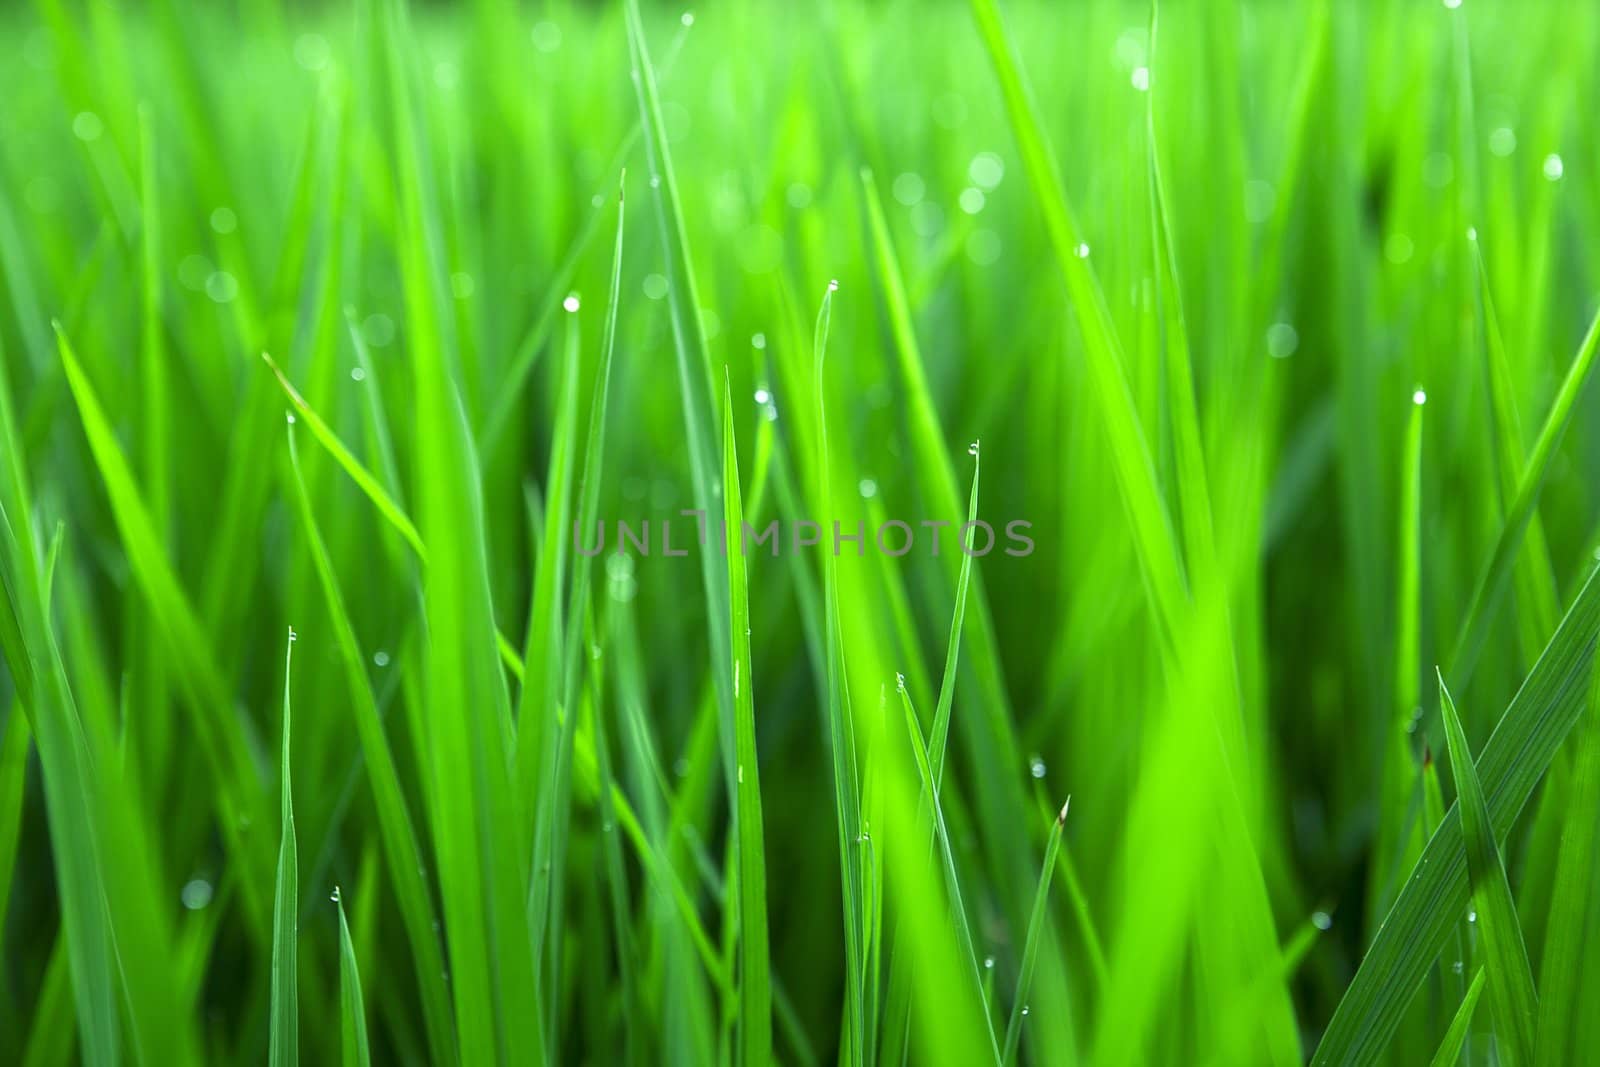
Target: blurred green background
1254	540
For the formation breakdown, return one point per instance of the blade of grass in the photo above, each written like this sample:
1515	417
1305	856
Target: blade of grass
952	878
1523	743
1030	948
352	1009
1455	1038
755	981
395	827
1511	992
1492	582
218	729
284	1049
841	729
1565	944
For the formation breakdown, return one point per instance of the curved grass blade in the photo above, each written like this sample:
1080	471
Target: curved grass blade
1517	754
352	466
217	728
1449	1053
284	1048
755	980
352	1009
1511	992
1030	948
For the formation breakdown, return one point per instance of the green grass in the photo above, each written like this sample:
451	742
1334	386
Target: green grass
1276	323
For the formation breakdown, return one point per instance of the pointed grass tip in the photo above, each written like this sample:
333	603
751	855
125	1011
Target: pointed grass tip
1061	816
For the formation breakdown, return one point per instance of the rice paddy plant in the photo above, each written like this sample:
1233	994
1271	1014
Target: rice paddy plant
729	476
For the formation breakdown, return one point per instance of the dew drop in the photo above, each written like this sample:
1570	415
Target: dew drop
196	894
899	682
988	963
570	303
986	170
1141	79
1036	767
909	188
1322	920
1026	1009
1082	250
758	341
222	287
972	449
687	18
1420	397
86	126
380	658
1554	168
868	487
358	374
1282	340
546	36
334	896
833	285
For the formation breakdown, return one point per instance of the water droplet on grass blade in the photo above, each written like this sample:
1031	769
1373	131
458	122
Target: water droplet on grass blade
86	126
1282	340
570	303
909	188
1036	767
1140	79
1420	397
1322	920
222	287
196	894
986	170
380	658
357	374
1554	168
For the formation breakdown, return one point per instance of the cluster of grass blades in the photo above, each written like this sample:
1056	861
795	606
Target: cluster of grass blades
613	727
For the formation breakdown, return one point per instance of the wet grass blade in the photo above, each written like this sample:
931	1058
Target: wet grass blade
1517	754
284	1047
935	812
346	459
352	1009
1036	927
395	827
1511	992
1449	1053
755	980
841	728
